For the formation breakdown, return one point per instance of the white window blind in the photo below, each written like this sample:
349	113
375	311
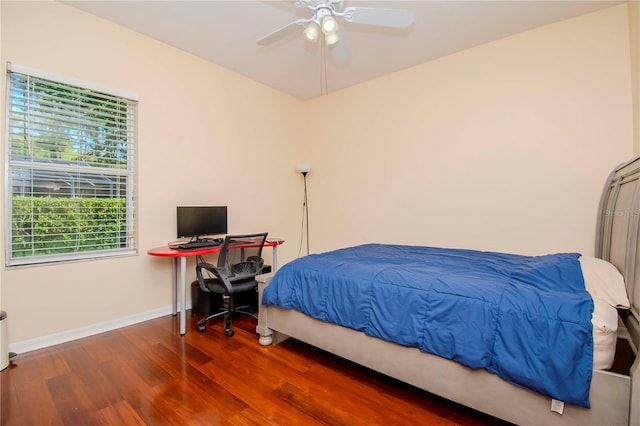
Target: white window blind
70	183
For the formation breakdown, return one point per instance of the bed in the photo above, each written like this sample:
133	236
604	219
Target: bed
610	398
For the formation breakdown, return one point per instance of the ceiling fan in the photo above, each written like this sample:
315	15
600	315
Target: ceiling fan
324	22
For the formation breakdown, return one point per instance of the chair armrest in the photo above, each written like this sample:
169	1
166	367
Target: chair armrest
219	273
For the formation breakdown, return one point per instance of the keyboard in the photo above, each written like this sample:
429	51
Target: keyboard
192	245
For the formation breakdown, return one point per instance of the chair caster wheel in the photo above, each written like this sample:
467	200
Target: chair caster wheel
201	328
229	333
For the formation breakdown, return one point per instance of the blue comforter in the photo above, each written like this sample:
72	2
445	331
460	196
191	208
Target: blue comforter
526	319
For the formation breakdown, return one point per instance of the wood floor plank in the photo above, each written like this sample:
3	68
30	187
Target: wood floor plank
50	363
187	401
69	395
249	417
132	387
138	358
258	392
147	374
120	413
20	396
95	385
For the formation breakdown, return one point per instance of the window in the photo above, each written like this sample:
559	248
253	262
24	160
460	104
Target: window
69	164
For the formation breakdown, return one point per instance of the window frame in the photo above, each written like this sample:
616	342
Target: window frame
127	176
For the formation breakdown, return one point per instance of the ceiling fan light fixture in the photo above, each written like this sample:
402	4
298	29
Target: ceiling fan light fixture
329	24
311	32
324	15
331	39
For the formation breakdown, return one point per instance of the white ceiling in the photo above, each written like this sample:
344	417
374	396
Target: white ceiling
225	33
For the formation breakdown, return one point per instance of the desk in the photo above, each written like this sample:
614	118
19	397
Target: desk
166	251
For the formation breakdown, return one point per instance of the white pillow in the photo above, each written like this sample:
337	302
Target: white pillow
604	318
605	335
604	281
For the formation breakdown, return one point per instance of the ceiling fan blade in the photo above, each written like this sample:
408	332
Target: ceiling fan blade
281	32
336	5
339	52
394	18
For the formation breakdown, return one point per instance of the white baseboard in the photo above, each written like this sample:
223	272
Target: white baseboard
79	333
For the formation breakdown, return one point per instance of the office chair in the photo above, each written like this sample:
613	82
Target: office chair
239	261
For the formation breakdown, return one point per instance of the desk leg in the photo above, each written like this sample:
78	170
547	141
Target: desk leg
183	294
174	287
275	258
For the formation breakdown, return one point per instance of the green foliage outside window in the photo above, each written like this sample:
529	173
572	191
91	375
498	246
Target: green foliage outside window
64	225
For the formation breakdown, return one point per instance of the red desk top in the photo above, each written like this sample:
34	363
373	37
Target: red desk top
167	251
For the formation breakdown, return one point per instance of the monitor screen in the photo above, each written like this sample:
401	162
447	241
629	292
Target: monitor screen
200	221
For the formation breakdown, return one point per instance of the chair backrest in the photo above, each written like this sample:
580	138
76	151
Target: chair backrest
241	255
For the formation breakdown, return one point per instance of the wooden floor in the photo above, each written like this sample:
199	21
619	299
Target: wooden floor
146	374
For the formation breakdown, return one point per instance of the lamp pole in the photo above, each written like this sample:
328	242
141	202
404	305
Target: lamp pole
306	208
304	169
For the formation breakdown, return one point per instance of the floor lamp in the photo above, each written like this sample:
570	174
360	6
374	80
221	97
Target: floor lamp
304	169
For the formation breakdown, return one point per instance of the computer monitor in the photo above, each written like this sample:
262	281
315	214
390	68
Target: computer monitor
194	222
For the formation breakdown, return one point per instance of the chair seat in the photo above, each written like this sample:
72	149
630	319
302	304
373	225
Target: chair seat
239	286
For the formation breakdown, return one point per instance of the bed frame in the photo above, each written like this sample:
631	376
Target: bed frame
615	398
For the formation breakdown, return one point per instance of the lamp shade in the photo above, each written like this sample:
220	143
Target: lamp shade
329	24
303	168
311	32
331	39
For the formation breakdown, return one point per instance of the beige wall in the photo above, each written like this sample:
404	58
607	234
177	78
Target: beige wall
2	90
634	40
206	136
503	147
